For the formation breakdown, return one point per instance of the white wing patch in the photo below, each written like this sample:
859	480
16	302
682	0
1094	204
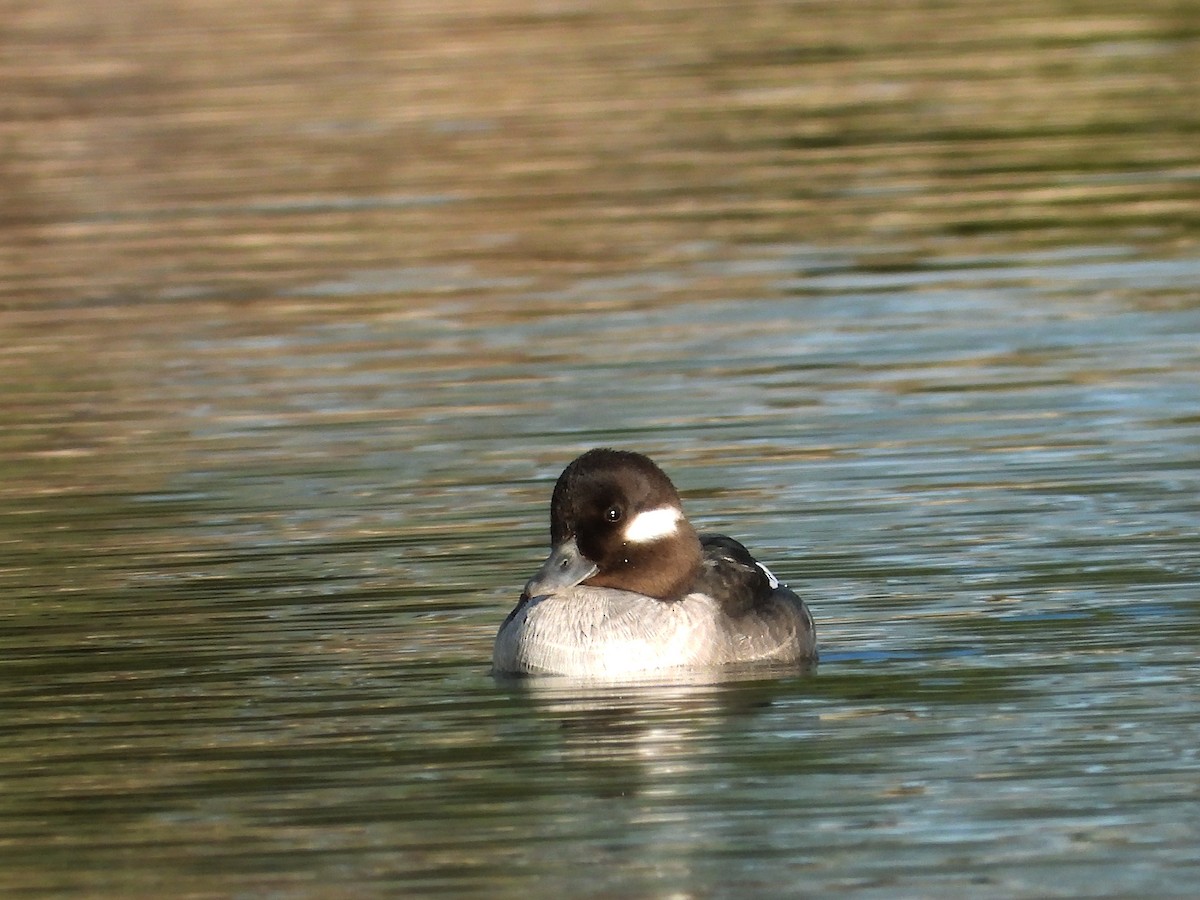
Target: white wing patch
771	579
652	524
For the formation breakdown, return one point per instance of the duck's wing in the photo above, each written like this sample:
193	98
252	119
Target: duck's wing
732	576
746	588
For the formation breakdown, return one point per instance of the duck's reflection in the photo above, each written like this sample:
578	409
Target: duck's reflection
637	735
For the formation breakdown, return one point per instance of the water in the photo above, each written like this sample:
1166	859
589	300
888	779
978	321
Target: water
304	310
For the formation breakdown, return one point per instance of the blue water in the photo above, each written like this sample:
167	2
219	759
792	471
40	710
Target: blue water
305	309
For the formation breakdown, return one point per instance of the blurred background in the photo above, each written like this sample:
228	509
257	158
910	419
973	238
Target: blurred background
216	150
303	306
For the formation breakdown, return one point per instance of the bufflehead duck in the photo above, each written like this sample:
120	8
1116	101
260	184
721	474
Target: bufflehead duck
630	587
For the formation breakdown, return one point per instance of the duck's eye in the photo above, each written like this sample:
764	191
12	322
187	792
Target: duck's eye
613	514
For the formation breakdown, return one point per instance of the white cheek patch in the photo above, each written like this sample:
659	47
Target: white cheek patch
652	524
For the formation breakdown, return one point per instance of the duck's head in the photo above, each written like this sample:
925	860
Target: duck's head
616	521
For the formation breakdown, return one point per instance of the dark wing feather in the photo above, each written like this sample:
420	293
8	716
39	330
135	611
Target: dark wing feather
731	575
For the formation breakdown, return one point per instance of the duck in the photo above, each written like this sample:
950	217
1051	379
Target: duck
631	588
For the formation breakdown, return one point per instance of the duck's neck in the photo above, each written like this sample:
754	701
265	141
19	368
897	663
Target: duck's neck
665	570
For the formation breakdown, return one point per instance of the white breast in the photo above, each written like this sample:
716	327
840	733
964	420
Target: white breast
600	632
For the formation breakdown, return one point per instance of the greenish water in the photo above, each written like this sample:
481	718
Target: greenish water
304	310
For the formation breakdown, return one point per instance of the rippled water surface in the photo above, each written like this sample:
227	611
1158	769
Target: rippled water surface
305	307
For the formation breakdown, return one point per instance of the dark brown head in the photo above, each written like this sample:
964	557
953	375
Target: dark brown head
616	521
